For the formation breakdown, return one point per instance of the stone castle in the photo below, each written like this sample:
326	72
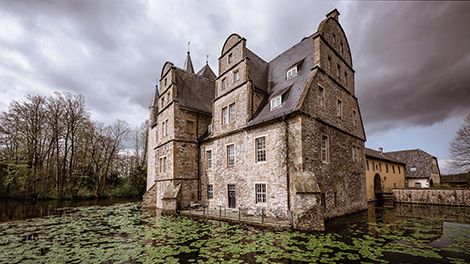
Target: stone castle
284	136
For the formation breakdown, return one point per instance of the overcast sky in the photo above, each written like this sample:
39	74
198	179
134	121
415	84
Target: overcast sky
412	59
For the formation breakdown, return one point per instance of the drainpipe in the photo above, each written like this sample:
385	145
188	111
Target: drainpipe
287	160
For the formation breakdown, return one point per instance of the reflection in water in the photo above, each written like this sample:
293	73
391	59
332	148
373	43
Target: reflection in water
126	233
12	209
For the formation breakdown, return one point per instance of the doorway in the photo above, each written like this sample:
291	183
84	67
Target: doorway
231	196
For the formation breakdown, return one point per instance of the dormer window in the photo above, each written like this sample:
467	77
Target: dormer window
276	102
292	72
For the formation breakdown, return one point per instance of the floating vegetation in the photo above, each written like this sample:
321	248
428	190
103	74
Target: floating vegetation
123	233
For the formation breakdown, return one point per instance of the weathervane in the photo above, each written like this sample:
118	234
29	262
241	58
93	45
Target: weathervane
207	59
189	43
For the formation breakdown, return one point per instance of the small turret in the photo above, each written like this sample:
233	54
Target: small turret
188	64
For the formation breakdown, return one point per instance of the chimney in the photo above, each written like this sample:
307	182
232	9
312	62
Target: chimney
381	150
333	14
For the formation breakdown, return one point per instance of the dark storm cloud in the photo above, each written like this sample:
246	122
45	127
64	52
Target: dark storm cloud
412	59
412	62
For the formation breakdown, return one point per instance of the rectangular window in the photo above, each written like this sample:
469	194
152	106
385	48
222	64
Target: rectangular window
229	58
380	167
399	170
321	97
386	167
260	190
210	191
230	155
236	76
341	47
338	71
224	115
161	164
276	102
368	165
209	158
345	78
231	112
334	38
374	168
329	63
417	184
325	149
164	81
339	108
165	128
393	168
224	83
260	146
292	72
354	118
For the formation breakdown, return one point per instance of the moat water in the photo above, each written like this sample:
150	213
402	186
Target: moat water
121	232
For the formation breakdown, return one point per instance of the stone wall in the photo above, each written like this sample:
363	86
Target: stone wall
433	196
246	172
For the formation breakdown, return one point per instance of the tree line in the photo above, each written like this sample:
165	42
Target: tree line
50	148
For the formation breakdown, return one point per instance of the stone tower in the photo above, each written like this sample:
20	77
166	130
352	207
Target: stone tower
181	113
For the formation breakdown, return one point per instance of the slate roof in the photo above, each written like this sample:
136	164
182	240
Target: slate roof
381	156
301	55
207	72
417	158
195	91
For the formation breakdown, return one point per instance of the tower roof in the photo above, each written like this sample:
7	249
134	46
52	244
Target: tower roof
188	64
207	72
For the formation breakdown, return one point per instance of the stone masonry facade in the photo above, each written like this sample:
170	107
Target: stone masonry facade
282	138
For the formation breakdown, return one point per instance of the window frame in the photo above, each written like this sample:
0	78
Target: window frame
210	191
293	72
224	114
325	148
228	158
263	150
261	191
224	83
209	158
339	108
276	99
321	97
236	75
231	112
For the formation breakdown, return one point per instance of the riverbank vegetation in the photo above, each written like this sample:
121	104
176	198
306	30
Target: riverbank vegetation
50	148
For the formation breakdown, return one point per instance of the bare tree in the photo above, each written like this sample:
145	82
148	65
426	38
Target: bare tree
460	147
